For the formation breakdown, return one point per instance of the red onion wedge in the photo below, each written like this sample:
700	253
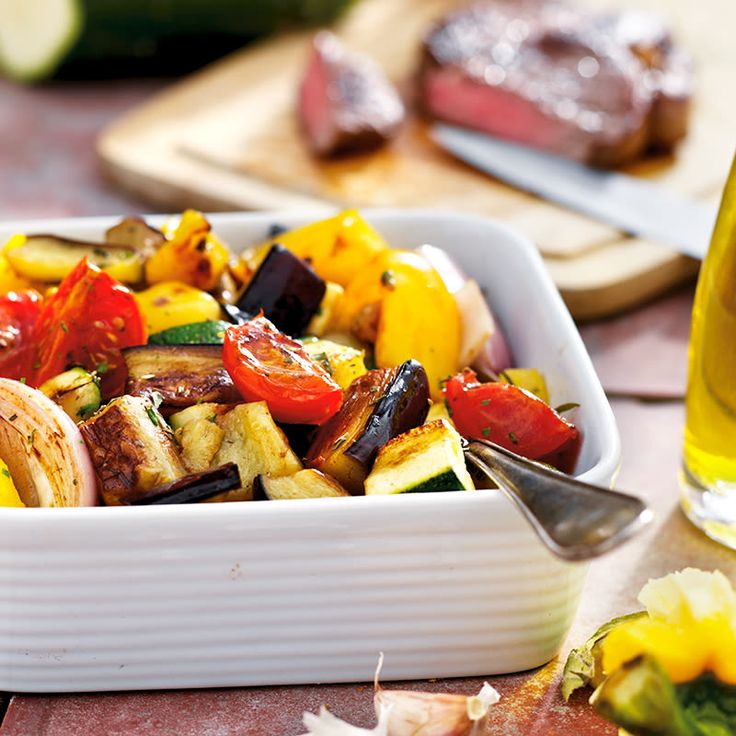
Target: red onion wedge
483	346
43	449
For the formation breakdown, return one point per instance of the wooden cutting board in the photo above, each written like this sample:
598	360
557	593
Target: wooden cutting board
227	138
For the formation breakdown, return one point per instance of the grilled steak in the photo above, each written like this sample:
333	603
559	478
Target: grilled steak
598	88
345	101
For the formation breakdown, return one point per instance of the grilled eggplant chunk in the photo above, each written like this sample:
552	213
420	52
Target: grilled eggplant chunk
132	449
307	483
194	488
135	233
287	290
378	406
253	441
182	374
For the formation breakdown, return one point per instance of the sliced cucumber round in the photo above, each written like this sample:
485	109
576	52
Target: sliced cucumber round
35	36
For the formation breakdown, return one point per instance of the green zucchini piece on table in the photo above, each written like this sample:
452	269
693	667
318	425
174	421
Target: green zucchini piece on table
427	458
76	391
38	36
209	332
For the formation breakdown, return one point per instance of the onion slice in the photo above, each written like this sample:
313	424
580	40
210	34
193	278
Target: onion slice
44	450
484	346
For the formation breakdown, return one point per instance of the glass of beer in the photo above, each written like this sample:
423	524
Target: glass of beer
708	477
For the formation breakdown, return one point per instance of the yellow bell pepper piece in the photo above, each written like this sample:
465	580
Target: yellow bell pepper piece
321	323
194	255
171	303
690	629
530	379
8	492
337	248
344	363
10	280
415	314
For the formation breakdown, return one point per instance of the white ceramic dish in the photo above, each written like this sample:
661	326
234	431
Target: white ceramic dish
309	591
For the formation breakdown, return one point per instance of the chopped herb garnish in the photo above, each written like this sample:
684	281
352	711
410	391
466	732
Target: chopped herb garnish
63	326
388	279
486	431
13	417
6	472
212	419
566	407
324	361
485	402
32	436
152	415
102	367
514	439
36	365
23	379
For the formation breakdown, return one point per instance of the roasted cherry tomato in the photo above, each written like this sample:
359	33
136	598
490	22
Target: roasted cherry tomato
512	418
266	365
87	322
19	311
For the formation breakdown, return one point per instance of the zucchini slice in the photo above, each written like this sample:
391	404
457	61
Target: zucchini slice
182	374
307	483
51	258
35	35
208	332
426	458
287	290
76	391
378	406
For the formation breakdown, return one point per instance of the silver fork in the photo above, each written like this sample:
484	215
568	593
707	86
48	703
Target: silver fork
575	520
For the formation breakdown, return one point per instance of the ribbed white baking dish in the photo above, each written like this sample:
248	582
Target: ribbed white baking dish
309	591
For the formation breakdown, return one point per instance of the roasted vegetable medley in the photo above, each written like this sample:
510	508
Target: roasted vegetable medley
166	366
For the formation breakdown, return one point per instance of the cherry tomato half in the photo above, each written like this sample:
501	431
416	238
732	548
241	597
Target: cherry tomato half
512	418
87	322
19	311
266	365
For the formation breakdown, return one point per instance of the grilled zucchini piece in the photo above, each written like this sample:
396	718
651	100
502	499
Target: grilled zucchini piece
207	332
199	441
307	483
76	391
182	374
427	458
205	410
52	258
253	441
132	449
378	406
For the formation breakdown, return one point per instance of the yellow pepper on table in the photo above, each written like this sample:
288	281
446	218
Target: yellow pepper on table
669	670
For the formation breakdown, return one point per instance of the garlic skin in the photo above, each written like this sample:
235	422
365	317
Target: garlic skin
326	724
432	714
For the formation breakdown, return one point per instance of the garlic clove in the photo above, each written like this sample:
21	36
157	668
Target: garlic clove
432	714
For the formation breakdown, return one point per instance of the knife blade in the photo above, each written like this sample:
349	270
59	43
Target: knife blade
632	205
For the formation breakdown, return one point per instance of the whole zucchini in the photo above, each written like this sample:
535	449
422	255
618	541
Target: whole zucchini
139	36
